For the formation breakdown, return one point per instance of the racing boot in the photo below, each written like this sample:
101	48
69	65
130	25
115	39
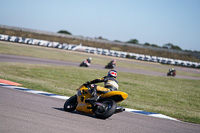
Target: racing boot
91	100
94	96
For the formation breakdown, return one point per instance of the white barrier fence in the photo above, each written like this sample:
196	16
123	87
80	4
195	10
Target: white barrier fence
101	51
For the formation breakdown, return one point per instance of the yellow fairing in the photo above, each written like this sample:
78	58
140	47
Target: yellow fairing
122	95
83	94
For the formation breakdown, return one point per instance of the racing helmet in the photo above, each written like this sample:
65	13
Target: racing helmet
112	73
90	58
173	69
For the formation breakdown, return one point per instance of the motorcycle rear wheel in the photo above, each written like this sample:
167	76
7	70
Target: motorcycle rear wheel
107	109
70	104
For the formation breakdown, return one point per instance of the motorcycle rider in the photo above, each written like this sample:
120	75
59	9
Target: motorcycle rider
112	62
89	59
86	62
172	70
110	84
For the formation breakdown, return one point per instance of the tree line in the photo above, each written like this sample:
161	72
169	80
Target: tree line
166	46
135	41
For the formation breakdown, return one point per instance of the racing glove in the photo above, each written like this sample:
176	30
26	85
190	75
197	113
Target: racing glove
87	83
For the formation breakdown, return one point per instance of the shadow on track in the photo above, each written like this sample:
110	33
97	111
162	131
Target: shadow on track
76	112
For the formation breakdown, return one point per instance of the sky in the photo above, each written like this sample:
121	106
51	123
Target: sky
149	21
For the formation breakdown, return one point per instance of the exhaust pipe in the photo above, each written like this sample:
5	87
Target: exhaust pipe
119	109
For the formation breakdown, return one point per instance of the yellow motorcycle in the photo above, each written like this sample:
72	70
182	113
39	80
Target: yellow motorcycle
103	108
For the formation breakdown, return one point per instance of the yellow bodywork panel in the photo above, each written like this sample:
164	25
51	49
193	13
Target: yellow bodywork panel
83	93
113	93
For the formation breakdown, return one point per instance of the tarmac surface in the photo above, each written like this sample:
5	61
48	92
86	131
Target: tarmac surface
32	113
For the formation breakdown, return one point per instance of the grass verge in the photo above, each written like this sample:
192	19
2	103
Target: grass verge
178	98
66	55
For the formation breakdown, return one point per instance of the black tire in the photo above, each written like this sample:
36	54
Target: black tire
168	74
109	111
81	64
70	104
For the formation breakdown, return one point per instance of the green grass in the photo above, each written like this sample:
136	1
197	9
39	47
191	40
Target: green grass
178	98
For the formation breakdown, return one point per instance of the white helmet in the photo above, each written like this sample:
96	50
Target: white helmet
90	58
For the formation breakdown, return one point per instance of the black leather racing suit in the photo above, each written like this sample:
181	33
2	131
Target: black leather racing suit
110	84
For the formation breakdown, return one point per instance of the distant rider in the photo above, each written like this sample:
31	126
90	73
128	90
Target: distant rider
113	62
172	70
89	60
86	62
110	84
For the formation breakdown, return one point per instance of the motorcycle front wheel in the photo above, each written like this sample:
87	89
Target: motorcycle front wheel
106	109
70	104
81	64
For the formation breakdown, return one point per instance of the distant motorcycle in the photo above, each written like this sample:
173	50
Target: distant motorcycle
85	63
111	64
171	73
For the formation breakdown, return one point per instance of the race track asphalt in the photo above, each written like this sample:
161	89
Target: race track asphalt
23	112
31	113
